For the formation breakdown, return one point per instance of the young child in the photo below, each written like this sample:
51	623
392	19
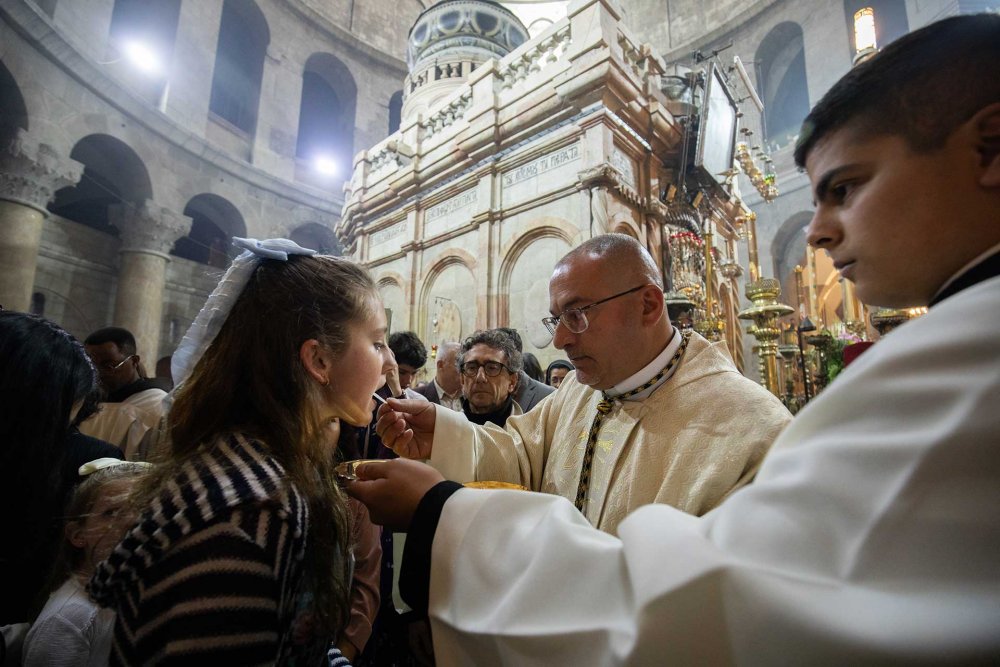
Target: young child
72	629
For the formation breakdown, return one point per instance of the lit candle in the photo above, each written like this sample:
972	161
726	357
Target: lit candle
811	285
800	294
709	266
752	247
850	305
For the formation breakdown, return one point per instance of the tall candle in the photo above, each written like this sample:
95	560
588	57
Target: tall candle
709	268
754	262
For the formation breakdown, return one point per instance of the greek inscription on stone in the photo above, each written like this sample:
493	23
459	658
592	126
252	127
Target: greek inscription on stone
541	165
624	164
467	198
387	234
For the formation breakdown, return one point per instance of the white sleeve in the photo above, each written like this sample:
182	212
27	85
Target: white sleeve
56	642
870	536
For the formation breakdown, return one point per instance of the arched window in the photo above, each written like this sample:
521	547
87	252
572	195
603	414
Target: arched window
239	64
326	114
13	111
112	174
317	237
214	222
781	80
395	111
150	24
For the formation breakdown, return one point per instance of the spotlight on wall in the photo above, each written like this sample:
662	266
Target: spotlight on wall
143	57
325	165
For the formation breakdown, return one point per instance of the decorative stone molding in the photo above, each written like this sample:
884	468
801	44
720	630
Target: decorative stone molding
147	227
448	114
30	173
536	59
605	175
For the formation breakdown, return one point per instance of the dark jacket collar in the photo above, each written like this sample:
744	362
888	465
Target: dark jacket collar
498	417
984	270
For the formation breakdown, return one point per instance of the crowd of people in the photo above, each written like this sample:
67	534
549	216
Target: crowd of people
289	491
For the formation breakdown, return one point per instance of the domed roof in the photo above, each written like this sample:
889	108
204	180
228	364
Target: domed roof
479	29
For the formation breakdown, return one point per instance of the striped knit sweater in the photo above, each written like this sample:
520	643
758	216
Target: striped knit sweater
213	570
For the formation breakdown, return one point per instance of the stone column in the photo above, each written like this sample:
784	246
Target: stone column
148	232
29	176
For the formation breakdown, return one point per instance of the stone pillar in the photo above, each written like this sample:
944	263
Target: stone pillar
148	232
29	176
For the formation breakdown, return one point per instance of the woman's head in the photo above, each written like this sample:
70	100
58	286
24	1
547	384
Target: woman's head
95	520
290	356
556	371
46	376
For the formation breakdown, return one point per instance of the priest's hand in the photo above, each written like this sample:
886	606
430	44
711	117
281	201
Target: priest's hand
406	427
392	490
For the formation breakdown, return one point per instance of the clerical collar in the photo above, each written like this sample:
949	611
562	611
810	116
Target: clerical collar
648	371
983	267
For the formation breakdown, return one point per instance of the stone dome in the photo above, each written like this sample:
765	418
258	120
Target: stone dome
471	29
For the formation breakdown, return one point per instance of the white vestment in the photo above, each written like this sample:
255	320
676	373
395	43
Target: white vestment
701	434
871	535
124	424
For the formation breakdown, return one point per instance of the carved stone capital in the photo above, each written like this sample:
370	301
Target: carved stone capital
147	227
31	172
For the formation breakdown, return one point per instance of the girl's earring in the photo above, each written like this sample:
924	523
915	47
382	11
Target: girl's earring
326	382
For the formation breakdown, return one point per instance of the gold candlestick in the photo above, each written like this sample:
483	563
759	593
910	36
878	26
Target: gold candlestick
764	314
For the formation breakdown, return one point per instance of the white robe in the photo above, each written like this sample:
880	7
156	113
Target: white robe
125	424
696	438
871	535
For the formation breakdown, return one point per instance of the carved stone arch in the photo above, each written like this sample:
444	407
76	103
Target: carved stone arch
113	173
244	36
392	289
788	248
327	112
781	80
440	287
627	228
214	222
523	292
13	110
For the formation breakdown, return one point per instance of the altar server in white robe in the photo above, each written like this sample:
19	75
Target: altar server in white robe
649	415
871	533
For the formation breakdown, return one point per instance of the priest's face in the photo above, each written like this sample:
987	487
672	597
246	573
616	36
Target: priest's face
605	353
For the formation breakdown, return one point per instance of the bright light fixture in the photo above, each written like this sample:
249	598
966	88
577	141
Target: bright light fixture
325	165
142	57
864	29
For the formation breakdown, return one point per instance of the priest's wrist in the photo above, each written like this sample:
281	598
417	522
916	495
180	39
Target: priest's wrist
415	575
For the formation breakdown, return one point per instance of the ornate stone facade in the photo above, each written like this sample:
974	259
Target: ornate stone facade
463	213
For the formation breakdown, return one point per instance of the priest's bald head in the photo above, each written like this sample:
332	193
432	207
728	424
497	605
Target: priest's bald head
608	315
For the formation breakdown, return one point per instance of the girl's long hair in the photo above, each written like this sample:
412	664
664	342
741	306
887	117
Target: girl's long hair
251	381
45	373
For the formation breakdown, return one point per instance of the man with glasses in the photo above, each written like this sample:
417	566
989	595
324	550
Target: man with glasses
489	363
648	416
133	403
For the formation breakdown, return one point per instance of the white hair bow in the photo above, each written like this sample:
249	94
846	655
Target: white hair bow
213	314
